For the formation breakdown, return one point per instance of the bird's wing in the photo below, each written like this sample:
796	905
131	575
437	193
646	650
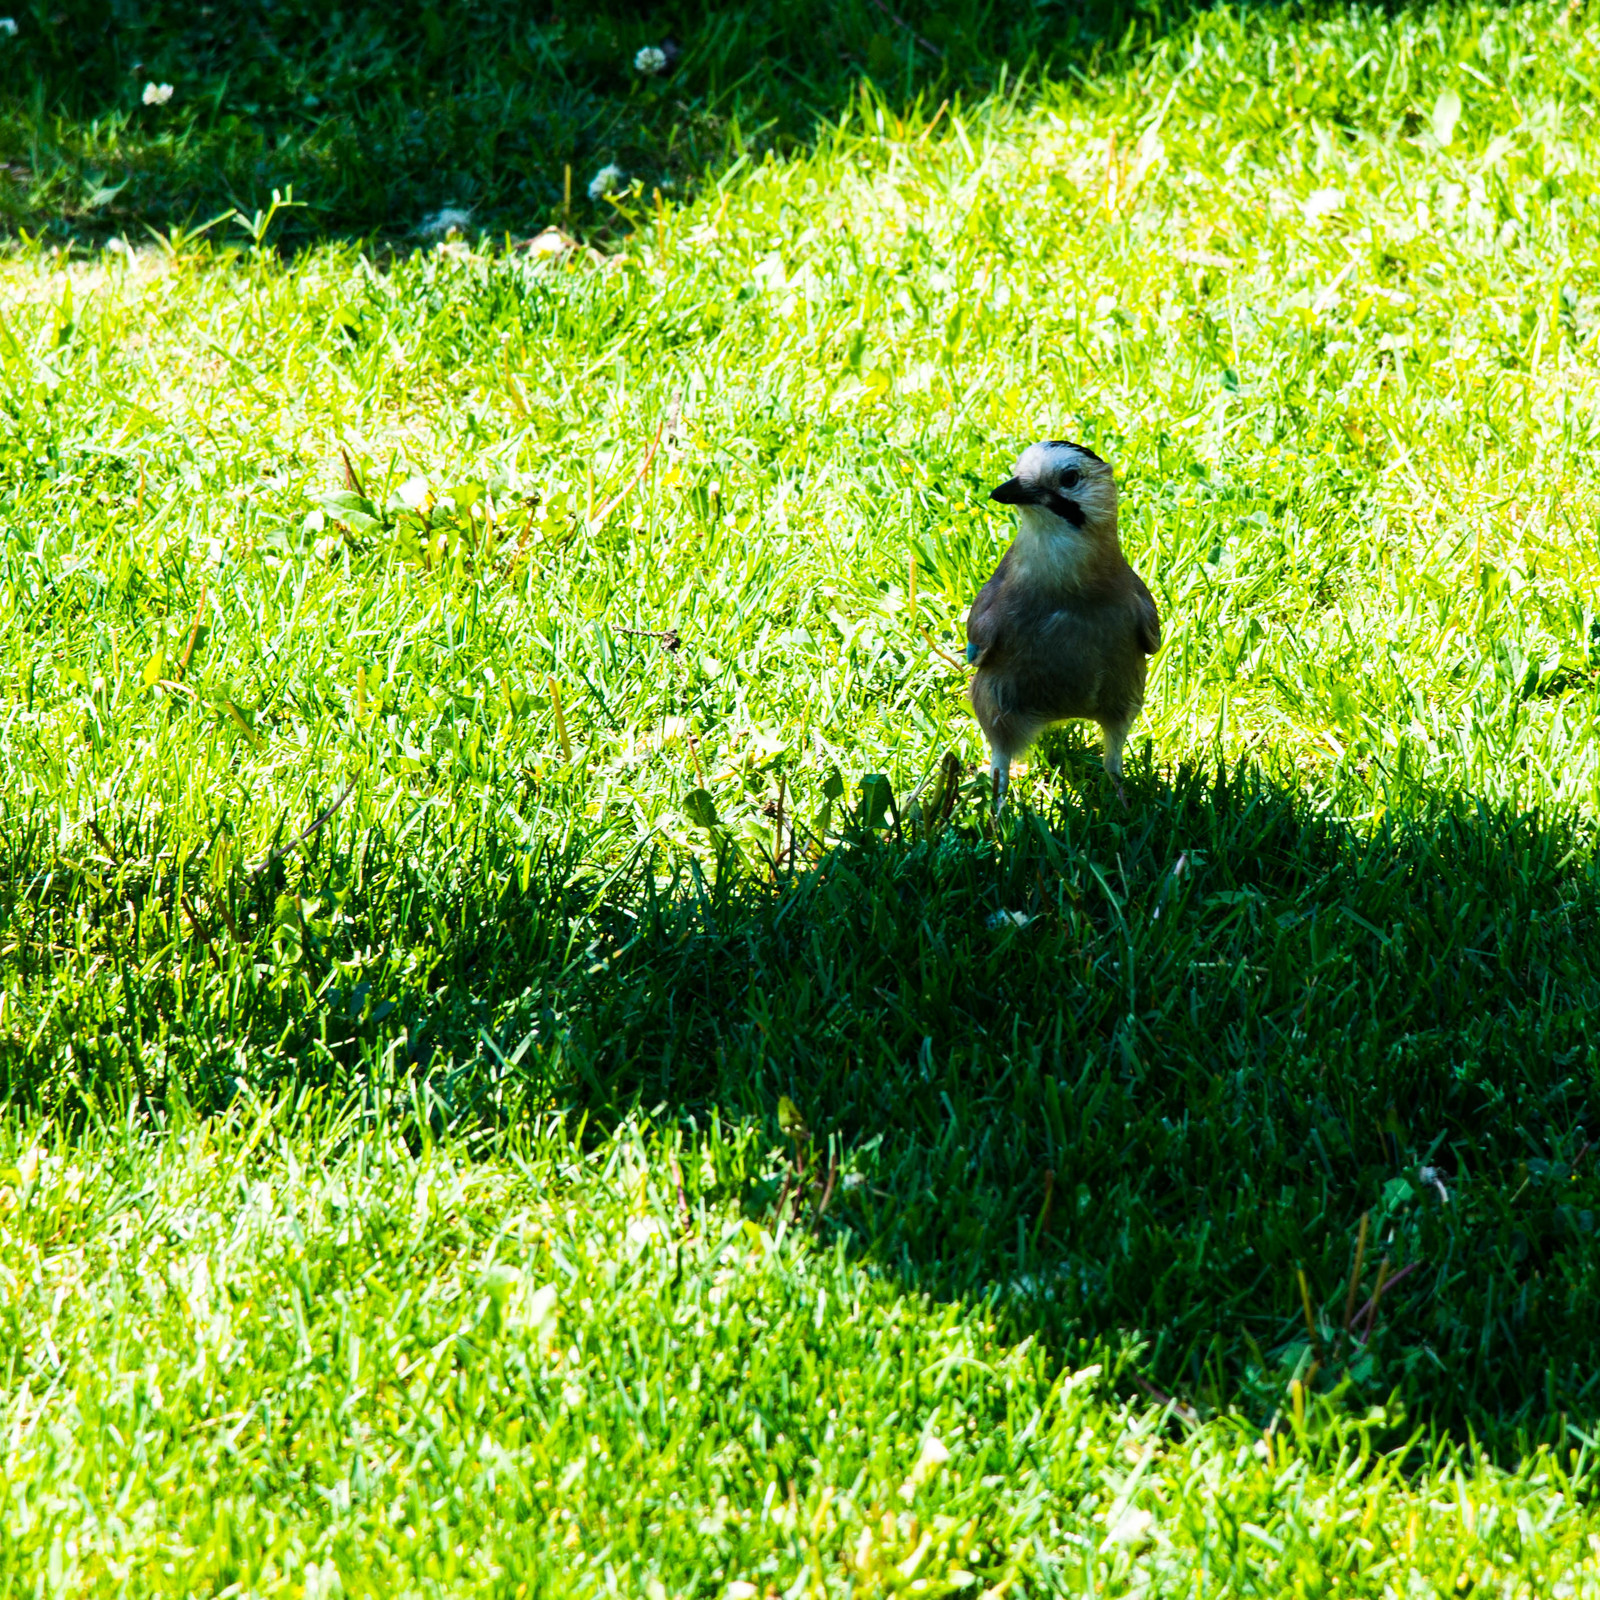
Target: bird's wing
983	620
1146	619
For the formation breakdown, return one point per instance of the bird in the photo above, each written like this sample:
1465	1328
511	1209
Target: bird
1063	627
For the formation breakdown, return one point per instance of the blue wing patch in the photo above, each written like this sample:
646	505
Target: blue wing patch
972	651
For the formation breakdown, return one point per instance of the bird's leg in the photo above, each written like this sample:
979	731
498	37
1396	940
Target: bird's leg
999	774
1114	739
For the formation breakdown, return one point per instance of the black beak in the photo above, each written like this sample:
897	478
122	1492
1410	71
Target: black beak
1012	493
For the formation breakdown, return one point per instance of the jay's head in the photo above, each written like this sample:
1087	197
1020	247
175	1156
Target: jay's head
1062	488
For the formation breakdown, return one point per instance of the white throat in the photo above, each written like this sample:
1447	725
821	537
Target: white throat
1049	552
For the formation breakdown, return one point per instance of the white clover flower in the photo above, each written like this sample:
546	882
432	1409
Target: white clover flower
1132	1527
651	60
606	181
157	94
414	494
8	27
549	245
1008	919
449	219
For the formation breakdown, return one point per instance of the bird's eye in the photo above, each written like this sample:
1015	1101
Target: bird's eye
1069	478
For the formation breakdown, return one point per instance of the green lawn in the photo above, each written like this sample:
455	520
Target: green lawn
472	736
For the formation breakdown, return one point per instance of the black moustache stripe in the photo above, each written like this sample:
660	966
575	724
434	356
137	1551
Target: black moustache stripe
1067	509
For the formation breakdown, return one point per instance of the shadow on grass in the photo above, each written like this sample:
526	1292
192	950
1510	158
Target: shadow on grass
378	116
1139	1071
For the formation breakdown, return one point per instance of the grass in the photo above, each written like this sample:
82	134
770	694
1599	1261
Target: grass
279	1351
473	731
379	118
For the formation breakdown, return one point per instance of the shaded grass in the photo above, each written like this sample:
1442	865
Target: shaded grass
379	118
1228	1027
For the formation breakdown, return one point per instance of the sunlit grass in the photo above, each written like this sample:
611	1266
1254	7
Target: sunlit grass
447	680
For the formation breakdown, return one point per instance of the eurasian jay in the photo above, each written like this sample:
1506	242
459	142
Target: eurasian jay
1063	627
